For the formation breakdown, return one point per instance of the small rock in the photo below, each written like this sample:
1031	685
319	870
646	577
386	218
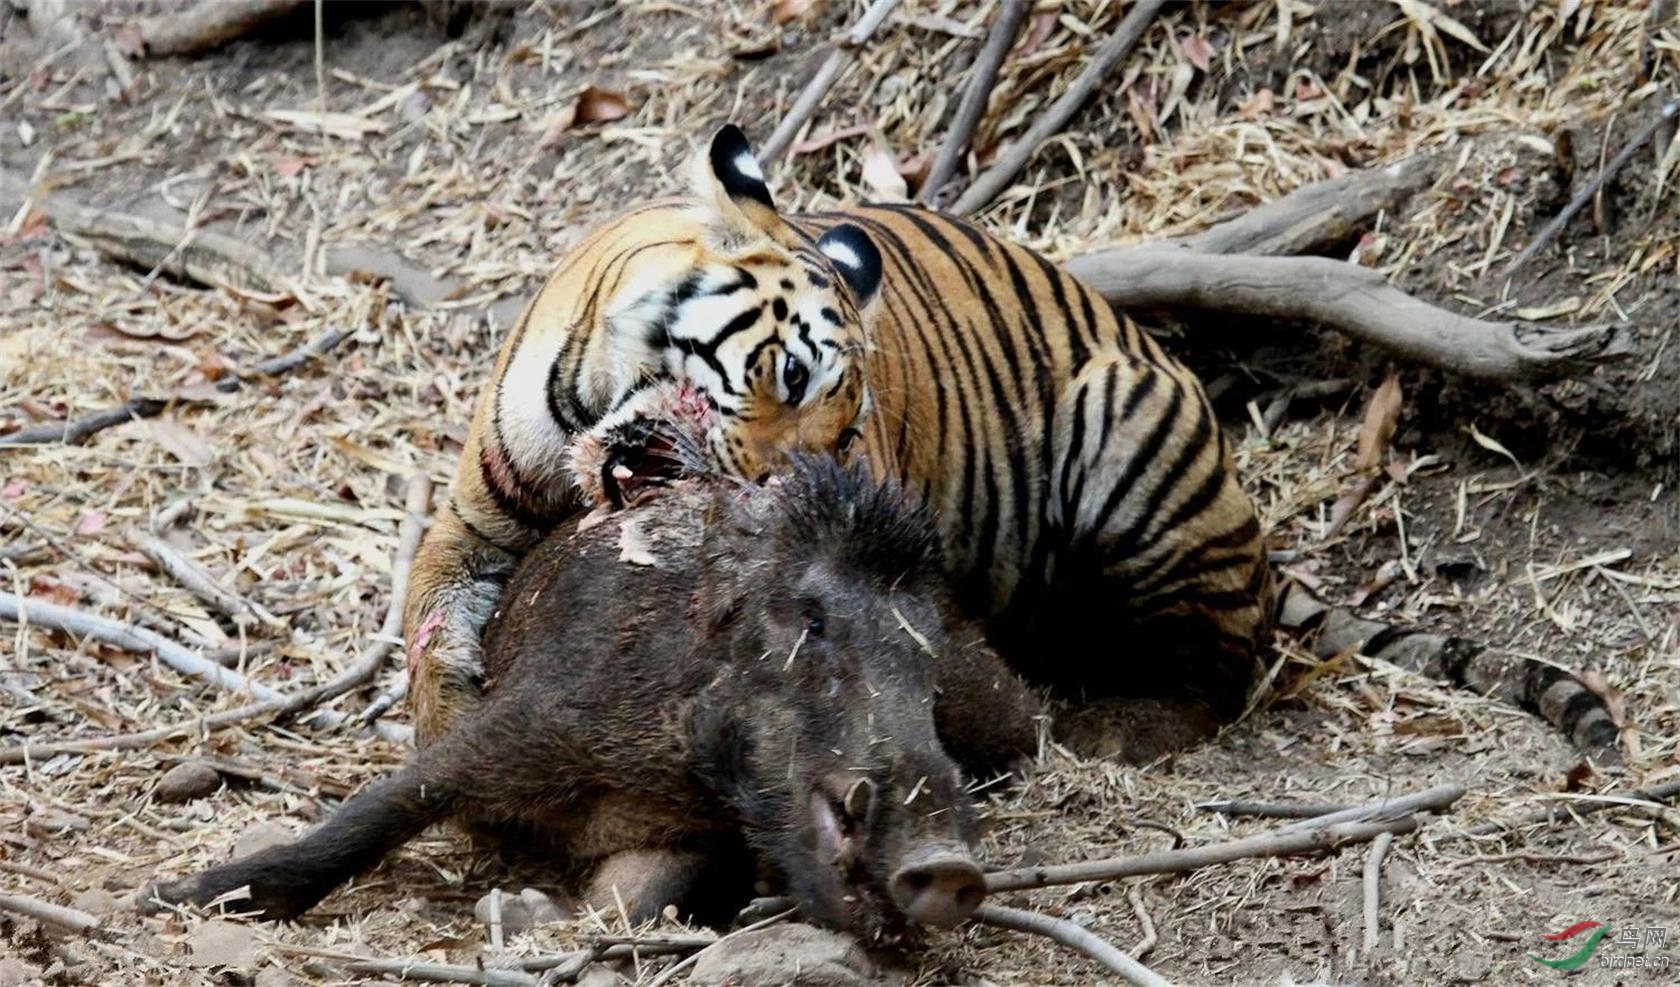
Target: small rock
17	973
218	943
260	837
525	910
187	781
273	976
96	901
788	953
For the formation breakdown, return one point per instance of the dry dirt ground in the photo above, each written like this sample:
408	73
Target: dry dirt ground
1544	519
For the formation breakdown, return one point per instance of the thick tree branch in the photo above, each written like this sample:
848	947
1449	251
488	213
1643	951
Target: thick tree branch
838	61
973	106
1351	299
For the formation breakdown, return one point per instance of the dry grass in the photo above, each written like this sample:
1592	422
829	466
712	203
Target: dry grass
456	156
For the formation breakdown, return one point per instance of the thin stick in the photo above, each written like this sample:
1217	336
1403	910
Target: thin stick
620	948
839	60
1353	300
442	973
1073	937
80	429
671	972
1373	890
1436	799
131	638
1272	810
1180	861
200	583
415	509
383	702
1658	793
1010	16
286	362
1015	157
1134	895
1550	230
45	911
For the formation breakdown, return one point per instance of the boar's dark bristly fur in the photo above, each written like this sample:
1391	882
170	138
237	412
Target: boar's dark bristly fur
725	674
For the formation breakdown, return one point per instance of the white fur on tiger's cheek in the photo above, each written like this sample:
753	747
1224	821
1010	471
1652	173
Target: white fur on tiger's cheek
747	165
842	254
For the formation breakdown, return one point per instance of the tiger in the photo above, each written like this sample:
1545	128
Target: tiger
1085	491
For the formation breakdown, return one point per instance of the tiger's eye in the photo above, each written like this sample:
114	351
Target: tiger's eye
795	377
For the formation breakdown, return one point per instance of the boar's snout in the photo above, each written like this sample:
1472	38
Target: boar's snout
941	886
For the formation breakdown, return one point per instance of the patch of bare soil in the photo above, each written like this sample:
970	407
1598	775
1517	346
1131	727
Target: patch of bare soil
460	143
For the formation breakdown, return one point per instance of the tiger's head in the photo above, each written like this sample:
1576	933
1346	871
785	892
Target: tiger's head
769	325
738	307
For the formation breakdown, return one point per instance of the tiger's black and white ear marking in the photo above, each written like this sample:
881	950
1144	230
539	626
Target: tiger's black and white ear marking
736	168
854	256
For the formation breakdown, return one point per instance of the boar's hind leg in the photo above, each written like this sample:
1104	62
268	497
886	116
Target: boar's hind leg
706	886
286	881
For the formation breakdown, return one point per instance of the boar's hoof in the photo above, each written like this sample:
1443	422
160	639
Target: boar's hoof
940	889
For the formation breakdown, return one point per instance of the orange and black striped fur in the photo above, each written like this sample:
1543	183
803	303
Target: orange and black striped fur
1084	489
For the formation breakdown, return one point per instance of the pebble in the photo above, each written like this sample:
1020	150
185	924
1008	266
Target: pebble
525	910
787	953
187	781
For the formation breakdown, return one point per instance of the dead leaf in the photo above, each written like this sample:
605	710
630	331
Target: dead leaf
633	545
117	331
91	523
218	943
823	140
54	592
13	490
1346	504
786	10
1378	582
1258	106
597	105
880	175
182	442
292	165
1197	49
557	126
1492	446
1381	417
1039	33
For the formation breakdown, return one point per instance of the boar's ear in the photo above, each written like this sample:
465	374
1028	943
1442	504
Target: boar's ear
720	749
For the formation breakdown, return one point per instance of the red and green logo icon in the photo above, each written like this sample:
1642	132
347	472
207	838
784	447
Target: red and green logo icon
1584	954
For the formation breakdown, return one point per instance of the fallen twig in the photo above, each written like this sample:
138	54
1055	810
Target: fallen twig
45	911
383	702
286	362
1272	810
1569	810
1550	231
1354	300
78	430
1072	936
1005	27
203	26
1009	163
605	949
415	511
1146	945
201	584
130	637
1276	844
1318	216
1436	799
139	639
839	60
1373	890
443	973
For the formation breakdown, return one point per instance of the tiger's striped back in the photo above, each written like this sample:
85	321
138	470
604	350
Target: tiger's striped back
1079	472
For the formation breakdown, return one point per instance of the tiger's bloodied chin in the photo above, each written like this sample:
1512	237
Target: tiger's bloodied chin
623	462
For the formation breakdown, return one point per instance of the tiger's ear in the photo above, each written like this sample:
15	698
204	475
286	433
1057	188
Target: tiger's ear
730	186
854	256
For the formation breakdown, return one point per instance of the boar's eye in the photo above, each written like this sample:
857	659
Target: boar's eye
814	623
